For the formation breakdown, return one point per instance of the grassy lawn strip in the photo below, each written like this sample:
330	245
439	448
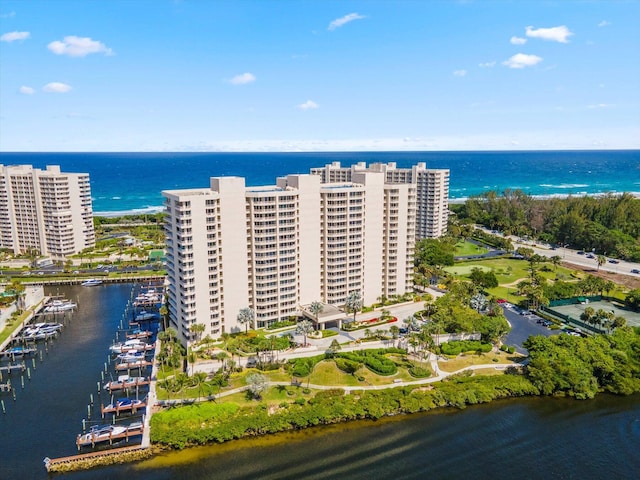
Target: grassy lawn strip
469	359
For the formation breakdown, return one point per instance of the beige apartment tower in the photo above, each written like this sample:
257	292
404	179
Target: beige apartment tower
432	187
275	248
45	211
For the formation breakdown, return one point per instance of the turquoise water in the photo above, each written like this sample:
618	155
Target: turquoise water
132	182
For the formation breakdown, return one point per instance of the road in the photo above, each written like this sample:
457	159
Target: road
572	256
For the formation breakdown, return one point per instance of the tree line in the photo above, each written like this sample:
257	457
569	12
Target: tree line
610	224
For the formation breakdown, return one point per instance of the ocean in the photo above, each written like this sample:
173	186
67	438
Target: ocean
124	183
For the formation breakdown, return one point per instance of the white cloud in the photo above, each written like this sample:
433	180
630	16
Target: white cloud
56	87
78	47
308	105
487	64
601	105
243	79
459	73
13	36
26	90
339	22
518	40
8	15
604	23
522	60
555	34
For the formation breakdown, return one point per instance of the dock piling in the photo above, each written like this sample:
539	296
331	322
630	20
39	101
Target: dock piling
4	410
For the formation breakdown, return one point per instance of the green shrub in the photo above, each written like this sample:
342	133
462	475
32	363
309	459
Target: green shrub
419	372
456	347
299	401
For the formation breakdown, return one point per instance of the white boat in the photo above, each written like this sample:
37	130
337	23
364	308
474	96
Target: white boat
100	433
144	316
92	282
133	344
59	306
131	356
137	333
125	381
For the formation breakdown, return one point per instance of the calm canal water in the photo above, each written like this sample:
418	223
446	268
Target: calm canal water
522	438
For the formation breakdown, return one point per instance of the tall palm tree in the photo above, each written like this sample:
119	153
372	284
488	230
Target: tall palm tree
197	329
601	260
246	316
316	308
353	303
305	327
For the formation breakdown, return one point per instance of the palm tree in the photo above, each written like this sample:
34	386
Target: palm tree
353	303
198	380
191	358
304	327
619	322
19	291
197	329
258	383
245	317
478	302
556	261
587	315
164	313
601	260
316	308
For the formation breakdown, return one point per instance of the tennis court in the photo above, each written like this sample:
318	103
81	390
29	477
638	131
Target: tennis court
575	310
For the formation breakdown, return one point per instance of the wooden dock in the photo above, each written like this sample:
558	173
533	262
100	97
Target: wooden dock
133	365
10	368
55	464
117	409
127	384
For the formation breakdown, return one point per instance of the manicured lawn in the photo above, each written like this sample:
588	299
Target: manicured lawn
468	248
273	396
465	268
466	360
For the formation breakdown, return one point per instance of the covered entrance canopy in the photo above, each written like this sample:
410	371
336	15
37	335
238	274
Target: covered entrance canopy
330	313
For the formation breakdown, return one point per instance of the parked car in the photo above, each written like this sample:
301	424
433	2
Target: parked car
635	270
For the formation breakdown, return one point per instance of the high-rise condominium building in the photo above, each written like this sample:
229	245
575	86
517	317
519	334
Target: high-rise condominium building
275	248
432	190
45	211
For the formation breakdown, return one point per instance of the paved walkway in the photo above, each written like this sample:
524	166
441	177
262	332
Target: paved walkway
440	375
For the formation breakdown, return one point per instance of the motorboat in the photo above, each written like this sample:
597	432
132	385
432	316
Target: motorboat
100	433
132	344
92	282
125	381
57	306
144	316
18	351
132	356
137	334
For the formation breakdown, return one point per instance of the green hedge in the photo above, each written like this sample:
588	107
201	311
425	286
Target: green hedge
456	347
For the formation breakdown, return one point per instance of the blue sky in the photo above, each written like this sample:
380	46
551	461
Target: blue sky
175	75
